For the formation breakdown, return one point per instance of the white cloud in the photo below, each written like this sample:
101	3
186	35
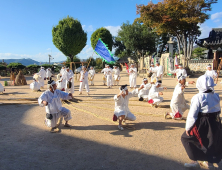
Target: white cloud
113	29
48	49
40	57
83	26
87	28
216	15
205	30
217	20
90	28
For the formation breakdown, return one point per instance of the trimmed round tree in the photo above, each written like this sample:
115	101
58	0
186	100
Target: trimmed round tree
105	36
69	37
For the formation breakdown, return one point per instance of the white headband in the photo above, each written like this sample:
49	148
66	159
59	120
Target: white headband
145	79
123	90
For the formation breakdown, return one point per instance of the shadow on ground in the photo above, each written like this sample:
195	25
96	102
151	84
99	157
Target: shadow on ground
26	147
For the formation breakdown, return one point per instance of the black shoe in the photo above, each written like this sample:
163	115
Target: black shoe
140	99
39	90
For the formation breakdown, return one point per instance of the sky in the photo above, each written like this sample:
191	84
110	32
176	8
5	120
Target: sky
26	25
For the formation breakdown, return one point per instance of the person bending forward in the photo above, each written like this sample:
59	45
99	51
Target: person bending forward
202	139
122	111
54	110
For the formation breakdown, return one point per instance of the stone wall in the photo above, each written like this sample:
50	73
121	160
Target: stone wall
199	66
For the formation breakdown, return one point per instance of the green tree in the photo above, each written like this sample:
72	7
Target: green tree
99	63
135	40
2	67
105	35
177	18
33	68
47	65
69	37
92	61
198	52
16	66
75	59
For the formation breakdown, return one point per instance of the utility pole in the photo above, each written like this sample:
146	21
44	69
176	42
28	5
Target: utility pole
50	57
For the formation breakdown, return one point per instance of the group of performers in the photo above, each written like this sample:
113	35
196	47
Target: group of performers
202	139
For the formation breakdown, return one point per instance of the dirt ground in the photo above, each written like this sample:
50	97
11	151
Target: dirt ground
93	141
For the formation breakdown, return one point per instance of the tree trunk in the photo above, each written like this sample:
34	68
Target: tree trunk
71	58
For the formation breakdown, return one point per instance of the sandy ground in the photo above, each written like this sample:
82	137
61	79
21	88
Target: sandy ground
93	141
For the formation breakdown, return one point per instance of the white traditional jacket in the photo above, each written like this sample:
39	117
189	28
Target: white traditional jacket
133	72
211	73
122	104
53	99
145	91
154	92
83	76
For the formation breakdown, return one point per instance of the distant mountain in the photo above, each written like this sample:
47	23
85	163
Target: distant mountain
24	61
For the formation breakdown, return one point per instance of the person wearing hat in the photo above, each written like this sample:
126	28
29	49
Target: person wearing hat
159	71
143	93
48	74
211	72
109	76
180	71
104	74
122	112
155	92
178	103
116	76
83	78
92	74
68	78
152	70
202	138
42	75
132	76
54	110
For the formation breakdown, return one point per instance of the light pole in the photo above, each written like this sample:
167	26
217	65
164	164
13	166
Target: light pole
50	57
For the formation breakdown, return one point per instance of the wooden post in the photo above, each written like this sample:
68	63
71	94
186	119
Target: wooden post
219	68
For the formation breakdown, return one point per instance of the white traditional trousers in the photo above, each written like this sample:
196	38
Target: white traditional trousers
82	84
109	80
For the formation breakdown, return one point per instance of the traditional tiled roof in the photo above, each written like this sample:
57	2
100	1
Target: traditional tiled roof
213	41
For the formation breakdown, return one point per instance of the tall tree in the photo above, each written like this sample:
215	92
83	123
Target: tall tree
105	35
135	40
69	37
199	52
177	18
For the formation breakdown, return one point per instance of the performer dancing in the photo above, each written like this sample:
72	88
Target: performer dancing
211	72
68	78
152	71
54	110
92	74
143	94
178	103
132	76
202	139
104	75
116	75
42	74
122	111
83	78
159	72
154	94
109	76
48	74
180	71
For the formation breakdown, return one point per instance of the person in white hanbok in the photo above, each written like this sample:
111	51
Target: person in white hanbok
42	74
92	74
144	92
83	78
122	111
154	94
152	71
179	72
159	72
178	103
132	76
116	76
48	74
35	86
1	87
211	72
104	75
54	110
68	78
202	138
109	76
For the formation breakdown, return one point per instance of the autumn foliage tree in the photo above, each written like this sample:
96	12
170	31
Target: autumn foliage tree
179	18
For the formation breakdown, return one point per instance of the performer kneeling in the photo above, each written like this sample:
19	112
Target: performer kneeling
54	110
143	94
202	139
122	111
178	103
